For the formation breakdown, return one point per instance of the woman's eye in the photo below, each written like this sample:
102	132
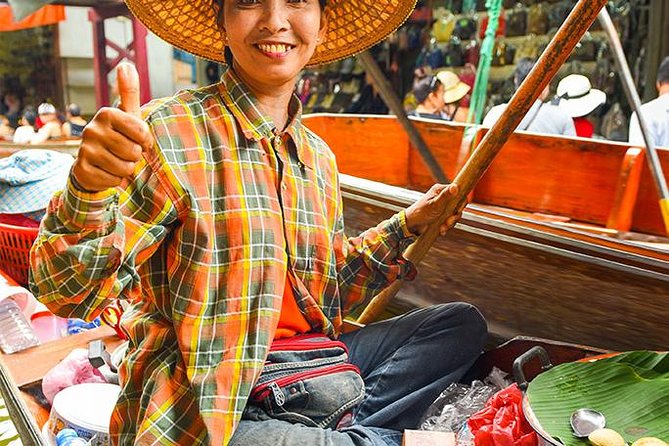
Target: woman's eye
247	2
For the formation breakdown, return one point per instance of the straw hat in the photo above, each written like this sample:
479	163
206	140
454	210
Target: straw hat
353	25
454	88
577	97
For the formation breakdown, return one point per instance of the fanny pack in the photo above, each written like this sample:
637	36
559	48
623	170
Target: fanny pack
307	379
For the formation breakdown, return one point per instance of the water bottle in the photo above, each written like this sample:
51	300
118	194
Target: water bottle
16	334
69	437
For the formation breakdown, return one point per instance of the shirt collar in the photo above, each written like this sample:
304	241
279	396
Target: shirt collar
253	123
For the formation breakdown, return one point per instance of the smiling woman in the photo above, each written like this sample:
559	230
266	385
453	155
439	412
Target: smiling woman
218	216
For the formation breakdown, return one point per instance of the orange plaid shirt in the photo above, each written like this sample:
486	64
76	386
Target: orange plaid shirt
198	242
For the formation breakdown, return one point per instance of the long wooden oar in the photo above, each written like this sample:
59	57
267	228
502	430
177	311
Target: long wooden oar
635	102
584	13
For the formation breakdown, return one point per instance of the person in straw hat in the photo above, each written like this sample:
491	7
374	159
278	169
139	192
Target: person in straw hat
454	91
217	216
578	99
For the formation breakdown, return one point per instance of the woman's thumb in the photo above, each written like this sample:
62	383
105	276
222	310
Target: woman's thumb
128	87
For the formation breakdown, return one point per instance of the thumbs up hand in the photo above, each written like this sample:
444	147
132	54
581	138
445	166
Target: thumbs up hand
113	142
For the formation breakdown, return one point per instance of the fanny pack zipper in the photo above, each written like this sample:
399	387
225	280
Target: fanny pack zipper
263	390
311	363
289	344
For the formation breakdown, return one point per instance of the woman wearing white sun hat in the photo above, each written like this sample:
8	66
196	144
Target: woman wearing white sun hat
578	99
217	215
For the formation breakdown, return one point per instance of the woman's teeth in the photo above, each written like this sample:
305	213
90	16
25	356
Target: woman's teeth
274	48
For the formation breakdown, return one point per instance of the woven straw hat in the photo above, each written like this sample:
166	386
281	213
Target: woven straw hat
454	88
353	25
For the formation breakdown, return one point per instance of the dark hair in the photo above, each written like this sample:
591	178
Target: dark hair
663	72
74	110
425	86
218	6
523	68
30	116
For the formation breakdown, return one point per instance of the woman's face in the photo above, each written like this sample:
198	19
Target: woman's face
437	97
272	40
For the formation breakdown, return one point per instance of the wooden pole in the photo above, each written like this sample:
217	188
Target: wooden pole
635	102
581	17
395	106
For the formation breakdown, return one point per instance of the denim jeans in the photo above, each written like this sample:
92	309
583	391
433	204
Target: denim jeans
405	363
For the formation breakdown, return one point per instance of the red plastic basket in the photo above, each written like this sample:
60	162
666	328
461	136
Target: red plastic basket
15	243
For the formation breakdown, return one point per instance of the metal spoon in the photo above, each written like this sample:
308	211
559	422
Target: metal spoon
585	421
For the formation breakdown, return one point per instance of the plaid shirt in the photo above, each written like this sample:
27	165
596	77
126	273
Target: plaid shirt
199	243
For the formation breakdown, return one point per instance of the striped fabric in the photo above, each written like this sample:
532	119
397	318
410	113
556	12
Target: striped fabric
198	244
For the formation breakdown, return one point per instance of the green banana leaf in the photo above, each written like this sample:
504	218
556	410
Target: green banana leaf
630	389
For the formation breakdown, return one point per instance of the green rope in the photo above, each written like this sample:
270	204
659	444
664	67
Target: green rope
468	6
479	93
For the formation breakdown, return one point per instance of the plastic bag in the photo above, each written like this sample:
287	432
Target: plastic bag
450	411
502	422
74	369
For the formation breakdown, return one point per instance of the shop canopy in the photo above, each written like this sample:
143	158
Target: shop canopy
22	14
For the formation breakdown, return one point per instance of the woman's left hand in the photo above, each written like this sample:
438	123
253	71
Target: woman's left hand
428	208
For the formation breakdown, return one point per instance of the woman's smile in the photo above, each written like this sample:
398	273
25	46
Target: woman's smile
274	49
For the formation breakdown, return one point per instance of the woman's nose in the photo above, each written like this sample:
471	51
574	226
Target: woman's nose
274	17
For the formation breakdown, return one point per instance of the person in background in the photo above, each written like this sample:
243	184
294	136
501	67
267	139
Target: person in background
26	132
217	215
655	112
6	130
11	106
542	117
578	99
429	94
454	91
51	127
74	124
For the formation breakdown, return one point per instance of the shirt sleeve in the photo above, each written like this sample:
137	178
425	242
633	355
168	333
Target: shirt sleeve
368	263
90	244
569	127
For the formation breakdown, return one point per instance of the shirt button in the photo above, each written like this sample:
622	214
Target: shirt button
283	186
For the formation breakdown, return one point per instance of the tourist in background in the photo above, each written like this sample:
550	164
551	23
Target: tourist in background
541	117
74	123
578	99
655	112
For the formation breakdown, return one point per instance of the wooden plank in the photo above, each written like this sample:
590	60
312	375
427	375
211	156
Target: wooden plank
379	152
31	365
627	190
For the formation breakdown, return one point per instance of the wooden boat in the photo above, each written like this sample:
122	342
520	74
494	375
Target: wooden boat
563	238
21	374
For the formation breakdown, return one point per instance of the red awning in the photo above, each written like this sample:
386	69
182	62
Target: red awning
48	15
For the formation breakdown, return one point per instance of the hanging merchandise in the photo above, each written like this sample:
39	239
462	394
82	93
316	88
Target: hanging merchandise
480	86
444	24
516	22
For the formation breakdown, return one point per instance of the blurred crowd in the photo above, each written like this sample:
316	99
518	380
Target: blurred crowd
30	125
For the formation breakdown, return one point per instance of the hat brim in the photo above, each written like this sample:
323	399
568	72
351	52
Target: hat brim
33	196
456	93
353	26
583	106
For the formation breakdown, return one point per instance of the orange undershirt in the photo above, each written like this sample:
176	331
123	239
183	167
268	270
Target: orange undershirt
291	320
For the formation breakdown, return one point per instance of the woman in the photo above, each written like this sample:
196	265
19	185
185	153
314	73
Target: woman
219	218
454	92
74	123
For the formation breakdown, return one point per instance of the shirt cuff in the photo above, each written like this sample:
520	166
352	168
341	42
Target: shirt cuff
406	232
88	210
396	228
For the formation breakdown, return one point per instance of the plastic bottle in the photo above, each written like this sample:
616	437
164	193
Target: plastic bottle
69	437
16	334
